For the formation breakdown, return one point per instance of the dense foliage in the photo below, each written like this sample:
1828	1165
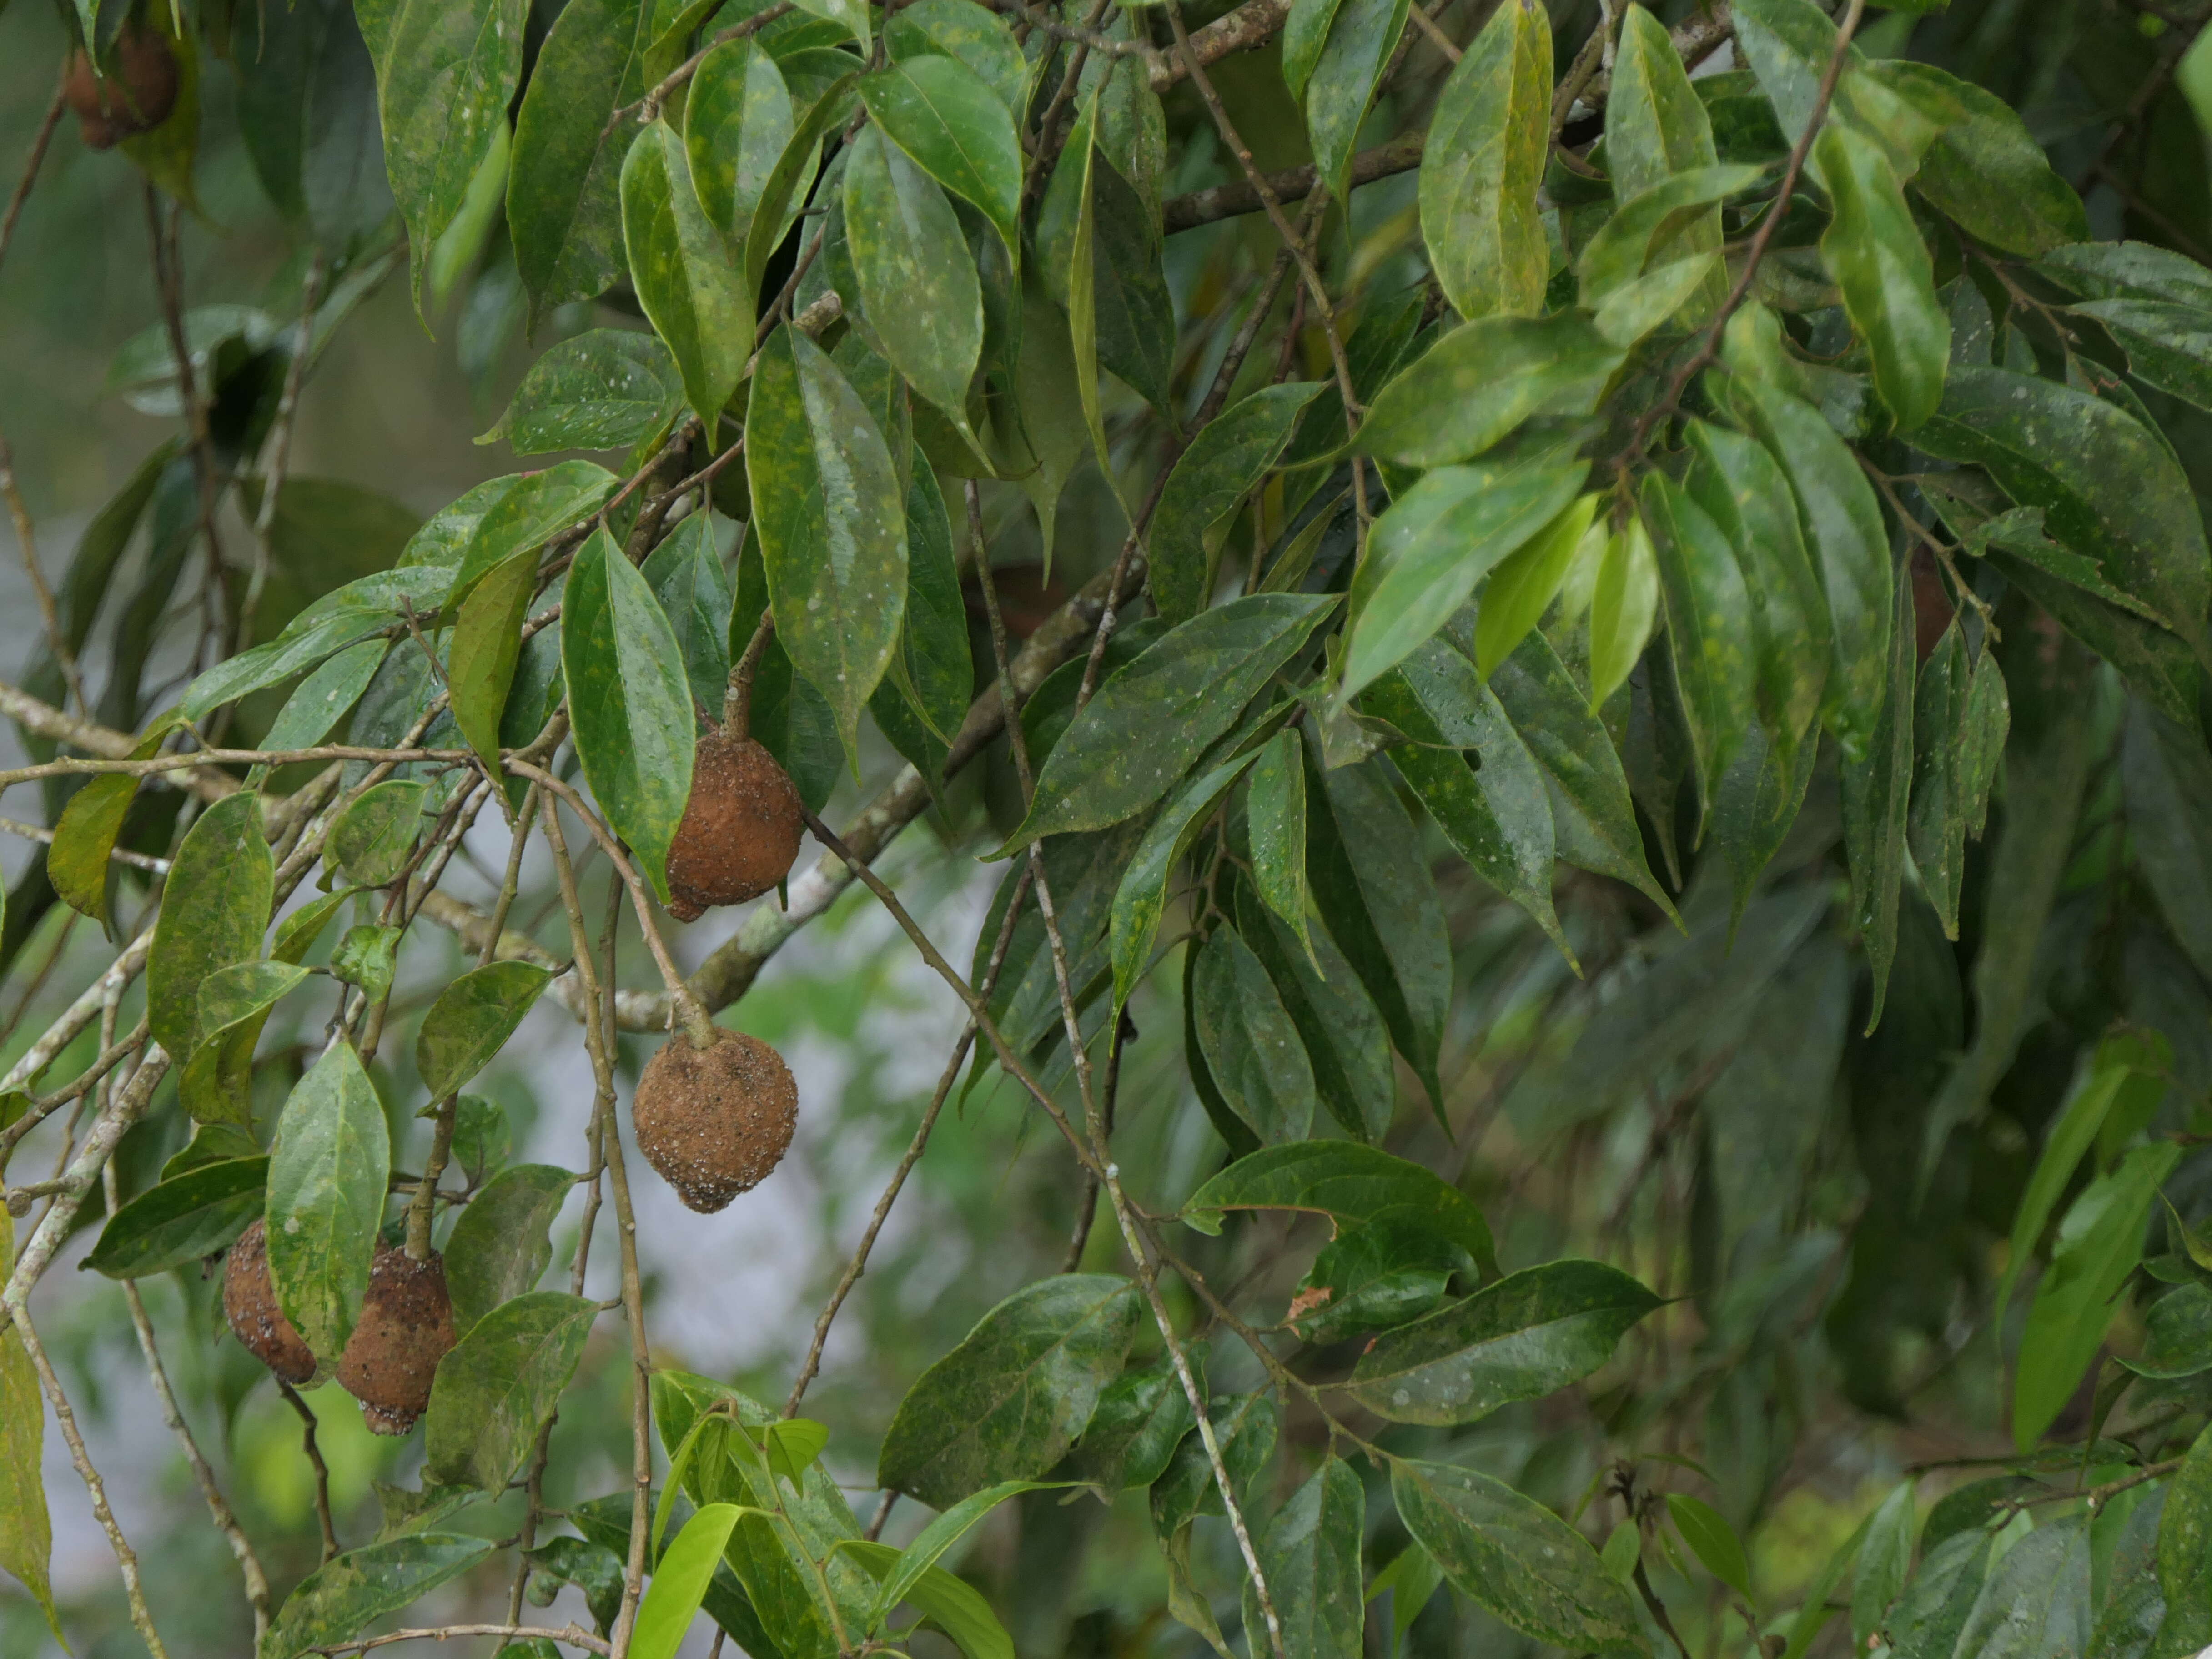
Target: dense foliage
1636	693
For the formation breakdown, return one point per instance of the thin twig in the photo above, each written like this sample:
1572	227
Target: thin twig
40	142
278	451
570	1635
26	543
307	1414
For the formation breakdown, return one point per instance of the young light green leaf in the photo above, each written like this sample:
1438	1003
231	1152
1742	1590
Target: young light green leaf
1529	1334
679	1583
372	838
214	909
949	121
1624	604
501	1243
1008	1402
682	271
933	1542
327	1172
1648	233
1874	251
738	121
1232	454
1484	161
919	289
472	1021
367	956
607	388
1252	1049
631	702
497	1386
182	1220
1518	593
955	1606
829	512
1481	380
77	860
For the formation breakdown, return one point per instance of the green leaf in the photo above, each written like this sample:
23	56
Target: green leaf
686	575
1876	802
211	1143
681	268
367	956
341	1598
1141	1417
1349	1183
215	907
372	838
500	1247
951	124
2109	491
1310	1552
1152	718
2184	1552
961	30
563	187
181	1220
1347	1043
1960	717
217	1084
1305	31
1362	35
1874	251
2168	346
1988	174
1843	527
298	933
26	1531
1518	593
636	732
472	1021
1885	1563
2167	775
1487	149
1481	380
607	388
737	120
1245	1430
955	1606
445	75
324	697
1712	1541
1710	613
1133	314
77	860
792	175
930	1545
1515	1558
1623	604
933	674
2121	270
2100	1243
2037	1599
1139	900
1232	453
1275	816
487	643
539	507
1672	221
679	1583
1529	1334
1935	1606
919	289
497	1386
1253	1051
1426	553
327	1172
828	510
2177	1335
1009	1402
851	15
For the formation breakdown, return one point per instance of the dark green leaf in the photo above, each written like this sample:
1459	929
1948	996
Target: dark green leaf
1961	717
372	838
1349	1183
1988	173
182	1220
2120	270
2176	1335
607	388
2169	346
2037	1599
497	1386
947	118
26	1530
324	697
1362	35
1885	1563
500	1246
1275	816
1141	896
343	1597
539	506
962	29
1253	1051
2185	1552
1008	1402
1346	1043
1710	613
793	173
1373	1279
933	674
367	956
737	118
1486	149
487	643
1141	1417
1481	380
1928	1618
1245	1430
327	1172
472	1021
1234	453
1310	1552
214	909
919	287
1874	251
686	575
682	271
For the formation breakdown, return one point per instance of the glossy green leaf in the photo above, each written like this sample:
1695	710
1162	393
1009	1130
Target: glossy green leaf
1877	802
1275	815
680	1577
1487	149
829	512
1711	1539
1669	221
500	1245
607	388
788	180
1436	541
1008	1402
181	1220
487	643
2184	1552
1350	1183
933	674
1310	1551
1989	175
1885	1563
472	1021
2099	1243
1481	380
537	508
1362	35
344	1595
1253	1051
26	1530
1305	31
930	1545
1233	452
327	1172
1346	1043
2177	1335
371	839
1152	718
951	124
216	1082
1518	593
737	120
1960	717
1874	251
497	1386
919	289
1245	1430
953	1605
2168	346
1656	127
211	1143
1529	1334
1141	896
686	575
1515	1558
2037	1599
214	909
445	75
1141	1417
1623	604
2121	270
630	700
681	268
1710	613
324	697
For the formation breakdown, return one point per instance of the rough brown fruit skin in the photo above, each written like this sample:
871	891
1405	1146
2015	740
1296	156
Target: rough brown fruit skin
406	1328
136	99
740	829
249	1302
715	1121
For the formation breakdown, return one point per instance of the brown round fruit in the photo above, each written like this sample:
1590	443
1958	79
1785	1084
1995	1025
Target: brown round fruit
740	829
406	1328
137	98
249	1302
714	1120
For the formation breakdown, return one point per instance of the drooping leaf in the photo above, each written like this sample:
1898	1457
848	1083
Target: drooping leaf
1234	452
486	644
26	1530
1310	1553
1008	1402
946	118
957	1607
1960	717
1515	595
1362	35
1252	1049
327	1172
933	1542
344	1595
1483	160
1709	612
636	731
182	1220
372	838
919	287
737	120
1989	175
1884	1564
686	575
681	268
501	1242
217	1084
1623	604
1141	1417
2184	1547
537	507
1245	1430
1275	814
680	1577
1141	896
472	1021
2037	1599
1876	802
215	907
1874	251
497	1386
